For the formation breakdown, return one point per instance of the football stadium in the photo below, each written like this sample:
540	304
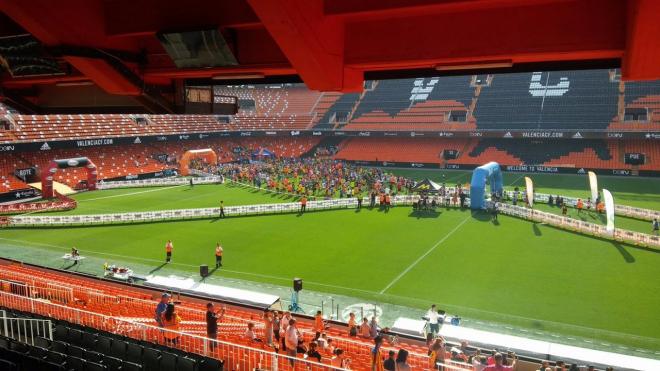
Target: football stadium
330	185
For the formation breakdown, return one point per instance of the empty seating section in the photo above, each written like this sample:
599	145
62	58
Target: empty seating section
414	104
543	151
642	96
137	306
225	148
427	150
273	107
111	162
8	182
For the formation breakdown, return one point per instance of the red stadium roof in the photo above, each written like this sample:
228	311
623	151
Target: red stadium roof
110	47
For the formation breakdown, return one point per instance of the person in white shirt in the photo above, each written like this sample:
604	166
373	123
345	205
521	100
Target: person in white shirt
433	316
291	340
249	333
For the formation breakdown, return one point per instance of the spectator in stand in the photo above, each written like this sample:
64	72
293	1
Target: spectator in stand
161	307
249	333
339	360
574	367
499	363
352	325
291	340
402	361
373	327
390	363
319	324
300	347
277	326
171	321
432	316
212	318
376	357
544	365
437	356
313	351
365	329
268	327
478	362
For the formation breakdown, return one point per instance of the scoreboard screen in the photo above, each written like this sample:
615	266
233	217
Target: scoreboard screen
634	158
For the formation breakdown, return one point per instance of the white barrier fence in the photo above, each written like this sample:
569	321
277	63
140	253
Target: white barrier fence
182	214
158	182
579	225
629	211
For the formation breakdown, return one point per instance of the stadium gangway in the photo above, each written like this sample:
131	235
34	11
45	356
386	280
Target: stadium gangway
579	225
25	329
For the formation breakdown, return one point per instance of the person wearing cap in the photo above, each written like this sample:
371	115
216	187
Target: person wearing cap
161	307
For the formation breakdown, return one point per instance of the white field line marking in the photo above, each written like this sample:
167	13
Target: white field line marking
134	193
517	179
113	196
310	282
94	252
411	266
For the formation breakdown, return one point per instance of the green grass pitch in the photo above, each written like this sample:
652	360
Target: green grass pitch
515	272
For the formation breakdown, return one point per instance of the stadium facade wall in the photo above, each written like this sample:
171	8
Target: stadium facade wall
540	169
522	134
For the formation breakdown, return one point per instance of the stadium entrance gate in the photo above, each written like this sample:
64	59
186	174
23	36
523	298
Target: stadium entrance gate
207	155
490	173
49	172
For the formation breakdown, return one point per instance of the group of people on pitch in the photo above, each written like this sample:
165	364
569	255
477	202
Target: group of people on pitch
218	251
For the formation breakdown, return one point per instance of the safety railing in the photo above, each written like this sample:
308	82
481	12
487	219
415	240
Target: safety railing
156	182
182	214
25	329
579	225
235	356
624	210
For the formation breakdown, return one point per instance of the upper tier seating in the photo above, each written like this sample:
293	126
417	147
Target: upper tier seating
541	151
557	100
428	150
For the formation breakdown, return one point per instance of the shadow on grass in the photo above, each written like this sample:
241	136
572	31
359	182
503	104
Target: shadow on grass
482	215
210	273
496	222
425	214
626	255
157	268
537	230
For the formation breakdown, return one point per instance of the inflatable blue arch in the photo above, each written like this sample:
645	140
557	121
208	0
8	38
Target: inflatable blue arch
490	173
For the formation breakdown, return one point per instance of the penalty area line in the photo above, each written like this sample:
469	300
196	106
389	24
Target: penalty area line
411	266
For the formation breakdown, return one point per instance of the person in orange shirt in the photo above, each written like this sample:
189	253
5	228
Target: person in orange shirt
218	255
303	204
352	325
387	202
168	251
171	321
600	207
579	205
319	324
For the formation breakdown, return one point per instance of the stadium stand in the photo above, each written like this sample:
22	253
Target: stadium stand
134	305
428	150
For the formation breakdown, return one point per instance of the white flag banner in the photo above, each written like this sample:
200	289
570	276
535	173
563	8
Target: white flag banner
609	210
593	184
529	188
